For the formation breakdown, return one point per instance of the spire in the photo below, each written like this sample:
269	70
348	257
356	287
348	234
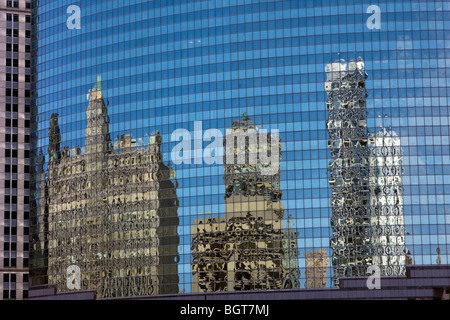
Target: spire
96	92
98	84
97	130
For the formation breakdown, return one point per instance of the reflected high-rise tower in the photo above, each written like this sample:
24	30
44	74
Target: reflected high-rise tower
386	202
250	247
349	168
366	181
111	211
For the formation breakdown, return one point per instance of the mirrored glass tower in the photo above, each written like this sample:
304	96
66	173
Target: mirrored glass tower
348	194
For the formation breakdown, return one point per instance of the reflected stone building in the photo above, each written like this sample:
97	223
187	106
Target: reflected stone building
250	247
111	212
365	179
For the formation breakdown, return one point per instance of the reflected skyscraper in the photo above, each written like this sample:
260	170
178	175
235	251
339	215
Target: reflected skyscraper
366	180
250	247
386	202
111	211
349	168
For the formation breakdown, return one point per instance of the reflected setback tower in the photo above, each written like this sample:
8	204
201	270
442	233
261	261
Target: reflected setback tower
349	168
251	247
366	181
111	212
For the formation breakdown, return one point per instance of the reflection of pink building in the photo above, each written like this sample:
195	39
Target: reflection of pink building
316	269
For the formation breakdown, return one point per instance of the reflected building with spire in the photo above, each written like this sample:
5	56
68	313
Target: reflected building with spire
252	246
110	210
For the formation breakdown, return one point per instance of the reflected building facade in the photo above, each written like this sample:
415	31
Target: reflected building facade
386	202
316	269
250	247
366	180
349	168
111	212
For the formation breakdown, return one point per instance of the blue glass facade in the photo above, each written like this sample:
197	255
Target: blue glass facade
203	65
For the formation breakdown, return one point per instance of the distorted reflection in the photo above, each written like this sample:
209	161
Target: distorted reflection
111	211
386	202
365	179
316	269
252	246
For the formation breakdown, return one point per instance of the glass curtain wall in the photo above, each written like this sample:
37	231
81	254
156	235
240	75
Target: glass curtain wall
202	146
